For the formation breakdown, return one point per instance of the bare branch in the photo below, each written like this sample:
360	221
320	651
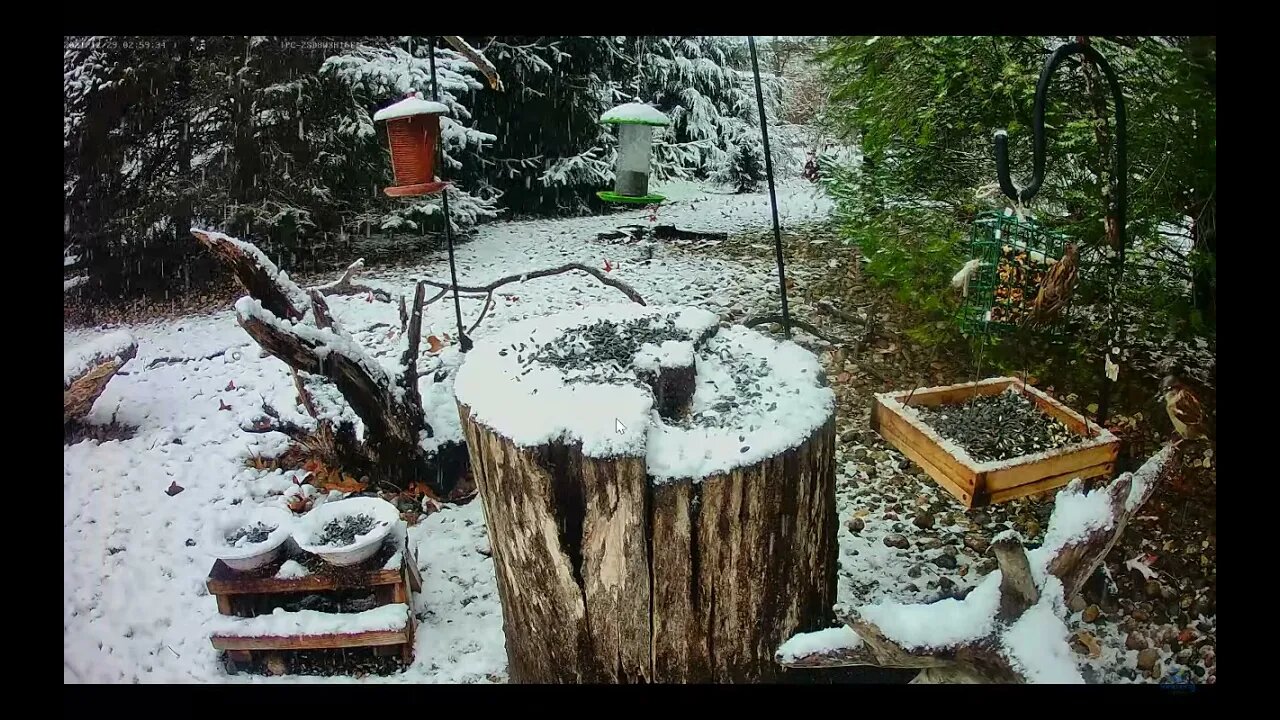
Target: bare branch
486	68
175	360
1017	587
795	322
324	320
344	286
251	269
410	357
488	303
487	289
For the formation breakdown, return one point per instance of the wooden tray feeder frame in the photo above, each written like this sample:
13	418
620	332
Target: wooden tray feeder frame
973	483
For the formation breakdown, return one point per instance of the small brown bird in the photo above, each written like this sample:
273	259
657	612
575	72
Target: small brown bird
1184	409
1055	291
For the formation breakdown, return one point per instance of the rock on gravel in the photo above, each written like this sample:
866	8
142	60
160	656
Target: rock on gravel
1148	659
897	540
1135	641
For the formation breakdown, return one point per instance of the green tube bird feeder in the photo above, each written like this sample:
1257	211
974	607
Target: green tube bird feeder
635	122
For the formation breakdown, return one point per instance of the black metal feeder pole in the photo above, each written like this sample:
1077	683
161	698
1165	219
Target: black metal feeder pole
773	197
464	342
1121	200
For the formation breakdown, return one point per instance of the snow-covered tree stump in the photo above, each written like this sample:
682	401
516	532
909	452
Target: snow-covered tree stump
1009	628
659	492
86	370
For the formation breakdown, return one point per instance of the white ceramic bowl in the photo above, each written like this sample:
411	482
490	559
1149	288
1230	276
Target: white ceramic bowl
249	556
308	530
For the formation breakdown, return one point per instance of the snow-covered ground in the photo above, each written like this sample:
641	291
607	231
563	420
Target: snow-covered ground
135	608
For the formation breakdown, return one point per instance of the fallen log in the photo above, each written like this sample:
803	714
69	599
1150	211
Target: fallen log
296	327
1008	629
88	368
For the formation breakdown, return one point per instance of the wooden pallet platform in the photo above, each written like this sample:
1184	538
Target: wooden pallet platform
973	483
247	595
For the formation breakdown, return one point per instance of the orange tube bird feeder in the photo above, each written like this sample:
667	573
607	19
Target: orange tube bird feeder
413	130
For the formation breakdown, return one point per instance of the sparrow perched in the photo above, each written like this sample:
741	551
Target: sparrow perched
1055	290
1184	409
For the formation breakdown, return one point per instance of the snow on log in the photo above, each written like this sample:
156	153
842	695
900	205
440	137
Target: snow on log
260	277
481	62
86	370
72	283
1009	628
651	482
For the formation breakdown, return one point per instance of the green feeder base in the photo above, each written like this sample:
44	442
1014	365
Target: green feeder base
611	196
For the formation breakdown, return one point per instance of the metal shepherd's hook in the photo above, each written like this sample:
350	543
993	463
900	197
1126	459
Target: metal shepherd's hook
1024	195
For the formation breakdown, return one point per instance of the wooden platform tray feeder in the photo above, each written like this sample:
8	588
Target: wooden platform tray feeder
980	483
247	595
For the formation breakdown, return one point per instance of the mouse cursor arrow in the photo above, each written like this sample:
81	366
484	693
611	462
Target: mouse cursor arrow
619	426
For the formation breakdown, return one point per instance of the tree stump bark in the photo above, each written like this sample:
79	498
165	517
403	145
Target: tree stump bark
614	567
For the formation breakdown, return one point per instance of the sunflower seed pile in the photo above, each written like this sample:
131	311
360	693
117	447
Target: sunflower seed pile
745	374
998	427
250	535
342	531
602	351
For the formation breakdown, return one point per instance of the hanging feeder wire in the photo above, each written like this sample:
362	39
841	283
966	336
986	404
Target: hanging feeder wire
464	342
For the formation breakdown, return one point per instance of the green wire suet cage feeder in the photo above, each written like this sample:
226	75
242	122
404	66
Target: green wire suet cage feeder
1013	255
635	122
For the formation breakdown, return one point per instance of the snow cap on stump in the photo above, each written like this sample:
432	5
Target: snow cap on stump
635	123
413	131
591	377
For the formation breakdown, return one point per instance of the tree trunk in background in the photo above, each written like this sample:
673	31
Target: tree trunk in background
182	75
1204	235
606	577
1204	208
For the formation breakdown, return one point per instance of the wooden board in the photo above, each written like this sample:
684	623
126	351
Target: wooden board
952	394
972	483
312	642
922	445
1052	466
225	581
1052	482
957	487
411	563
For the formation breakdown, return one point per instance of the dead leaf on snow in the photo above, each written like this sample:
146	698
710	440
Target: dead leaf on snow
1090	643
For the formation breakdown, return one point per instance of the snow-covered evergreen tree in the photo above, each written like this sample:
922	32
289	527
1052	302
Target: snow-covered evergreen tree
272	139
552	153
745	167
705	85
